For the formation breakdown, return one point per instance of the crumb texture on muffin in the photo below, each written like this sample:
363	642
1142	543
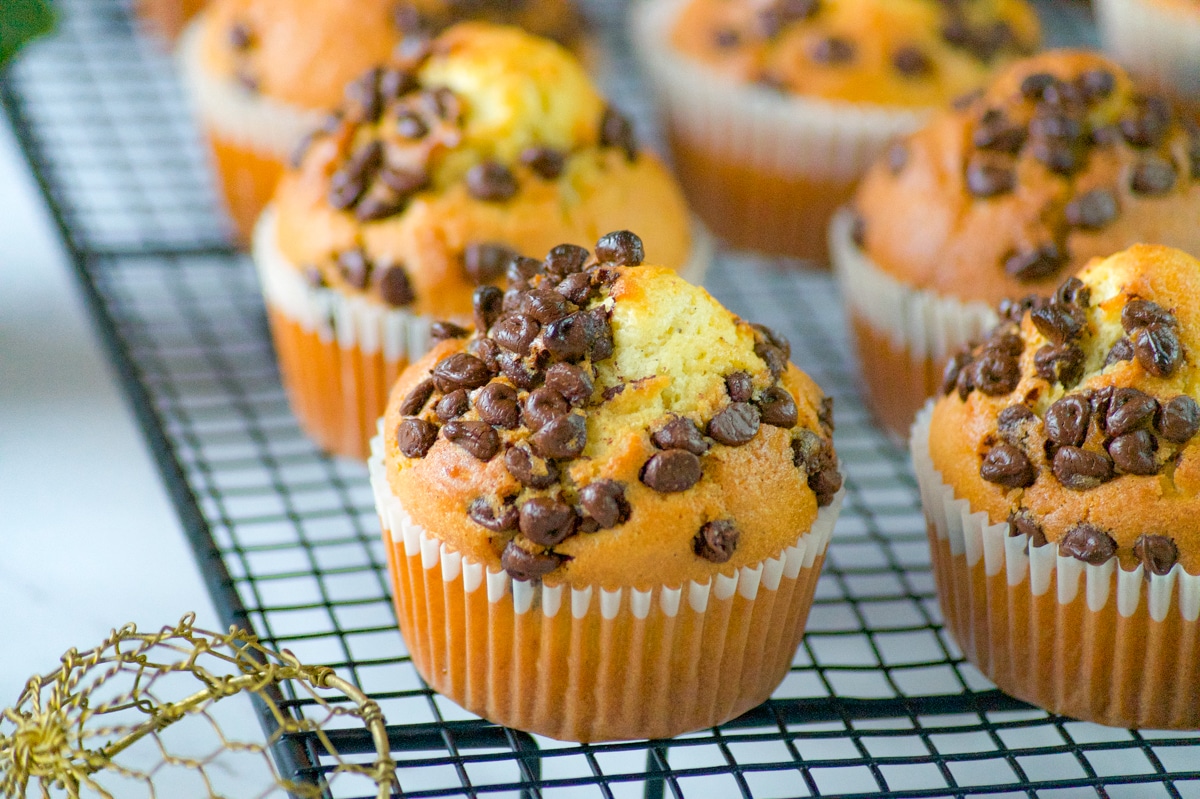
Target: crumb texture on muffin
610	424
1076	419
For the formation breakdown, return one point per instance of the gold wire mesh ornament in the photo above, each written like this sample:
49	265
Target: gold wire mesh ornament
108	721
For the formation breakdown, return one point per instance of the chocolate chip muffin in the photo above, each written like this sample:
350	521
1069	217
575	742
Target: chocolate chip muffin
1064	158
429	181
1159	40
801	95
642	478
1065	445
262	73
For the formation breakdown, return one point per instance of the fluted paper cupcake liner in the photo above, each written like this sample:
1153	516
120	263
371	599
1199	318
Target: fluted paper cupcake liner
764	170
591	663
339	354
903	335
1155	41
1098	643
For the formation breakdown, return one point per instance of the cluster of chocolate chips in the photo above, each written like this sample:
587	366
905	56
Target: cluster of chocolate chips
1095	545
523	388
359	272
1151	337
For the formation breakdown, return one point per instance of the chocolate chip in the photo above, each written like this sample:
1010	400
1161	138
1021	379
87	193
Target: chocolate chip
1067	420
773	338
1157	553
681	433
531	471
442	103
954	367
452	405
825	484
491	182
522	564
1128	410
362	95
1005	341
241	37
620	248
671	471
415	437
1014	310
1157	349
578	335
514	367
1034	86
545	305
1153	175
1059	157
739	386
833	50
496	404
1122	350
477	438
1081	469
577	288
1180	419
1008	466
809	452
521	270
486	301
1100	401
617	131
1133	453
778	408
379	204
566	259
989	179
460	370
612	391
912	62
546	162
572	382
515	333
414	401
825	415
394	83
735	425
543	406
996	133
410	125
1093	210
604	501
404	182
773	357
485	262
716	541
995	373
364	163
482	513
441	331
395	288
725	38
1022	523
1149	124
1037	264
564	437
355	267
1057	126
485	350
246	79
1088	543
547	521
1073	292
1059	323
965	383
1011	420
1139	313
964	101
1096	84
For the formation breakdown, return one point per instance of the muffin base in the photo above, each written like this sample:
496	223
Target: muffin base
1096	643
589	664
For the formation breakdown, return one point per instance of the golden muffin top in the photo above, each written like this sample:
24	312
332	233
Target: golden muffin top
610	424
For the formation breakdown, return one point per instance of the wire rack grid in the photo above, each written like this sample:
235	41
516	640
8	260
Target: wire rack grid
879	700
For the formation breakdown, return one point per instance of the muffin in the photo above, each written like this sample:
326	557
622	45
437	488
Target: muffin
1061	481
1158	40
801	95
433	180
1062	159
263	73
167	18
635	502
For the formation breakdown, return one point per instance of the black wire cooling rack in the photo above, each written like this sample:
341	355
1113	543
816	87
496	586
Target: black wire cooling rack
879	701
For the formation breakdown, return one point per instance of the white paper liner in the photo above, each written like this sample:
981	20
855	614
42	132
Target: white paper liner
755	126
972	534
234	112
1158	42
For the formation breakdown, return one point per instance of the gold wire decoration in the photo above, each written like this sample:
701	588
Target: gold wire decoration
104	723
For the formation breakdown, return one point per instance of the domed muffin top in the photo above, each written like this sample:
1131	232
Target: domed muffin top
1076	419
609	424
1060	160
912	53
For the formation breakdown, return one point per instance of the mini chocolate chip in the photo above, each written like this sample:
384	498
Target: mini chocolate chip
965	383
612	391
362	94
995	132
620	248
355	267
912	61
989	179
514	367
460	370
564	437
485	262
572	382
485	350
1073	291
515	333
1149	124
1005	341
1129	409
1133	453
736	424
577	288
681	433
1180	419
774	338
246	79
833	50
477	438
482	513
995	373
241	37
1157	349
617	131
415	437
1059	323
1122	350
414	401
725	38
491	182
545	305
1034	86
1067	420
496	404
1008	466
808	451
1158	553
547	521
1056	126
546	162
521	270
739	386
379	204
578	335
964	101
452	405
1096	84
716	541
954	367
395	288
604	501
1022	523
521	564
778	408
825	415
1153	175
486	301
442	330
825	484
896	159
565	259
531	471
404	182
1139	313
410	125
1059	157
1088	543
344	191
1034	265
1080	469
543	406
772	356
1093	210
1014	310
1010	421
672	471
394	83
1100	401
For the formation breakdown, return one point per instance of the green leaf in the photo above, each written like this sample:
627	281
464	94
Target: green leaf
20	21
